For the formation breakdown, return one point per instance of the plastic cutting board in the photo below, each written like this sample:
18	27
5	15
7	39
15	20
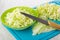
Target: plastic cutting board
27	34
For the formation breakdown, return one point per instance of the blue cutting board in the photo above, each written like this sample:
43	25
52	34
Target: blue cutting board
27	34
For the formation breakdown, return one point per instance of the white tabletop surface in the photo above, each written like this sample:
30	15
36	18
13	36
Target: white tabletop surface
5	4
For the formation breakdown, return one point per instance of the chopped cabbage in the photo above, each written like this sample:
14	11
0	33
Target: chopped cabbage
47	11
17	20
51	11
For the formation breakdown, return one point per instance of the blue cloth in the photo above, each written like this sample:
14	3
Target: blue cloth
27	34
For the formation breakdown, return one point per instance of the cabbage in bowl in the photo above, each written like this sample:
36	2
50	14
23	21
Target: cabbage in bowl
12	18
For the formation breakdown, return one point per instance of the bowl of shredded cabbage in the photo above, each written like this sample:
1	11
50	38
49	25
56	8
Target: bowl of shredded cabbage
12	18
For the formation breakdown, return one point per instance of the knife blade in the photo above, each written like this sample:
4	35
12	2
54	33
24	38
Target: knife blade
50	23
35	18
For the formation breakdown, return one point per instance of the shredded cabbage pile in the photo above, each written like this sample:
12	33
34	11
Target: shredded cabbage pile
47	11
17	20
51	11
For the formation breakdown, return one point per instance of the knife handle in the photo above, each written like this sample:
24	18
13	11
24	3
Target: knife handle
54	25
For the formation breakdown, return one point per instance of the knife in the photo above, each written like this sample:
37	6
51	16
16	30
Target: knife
50	23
